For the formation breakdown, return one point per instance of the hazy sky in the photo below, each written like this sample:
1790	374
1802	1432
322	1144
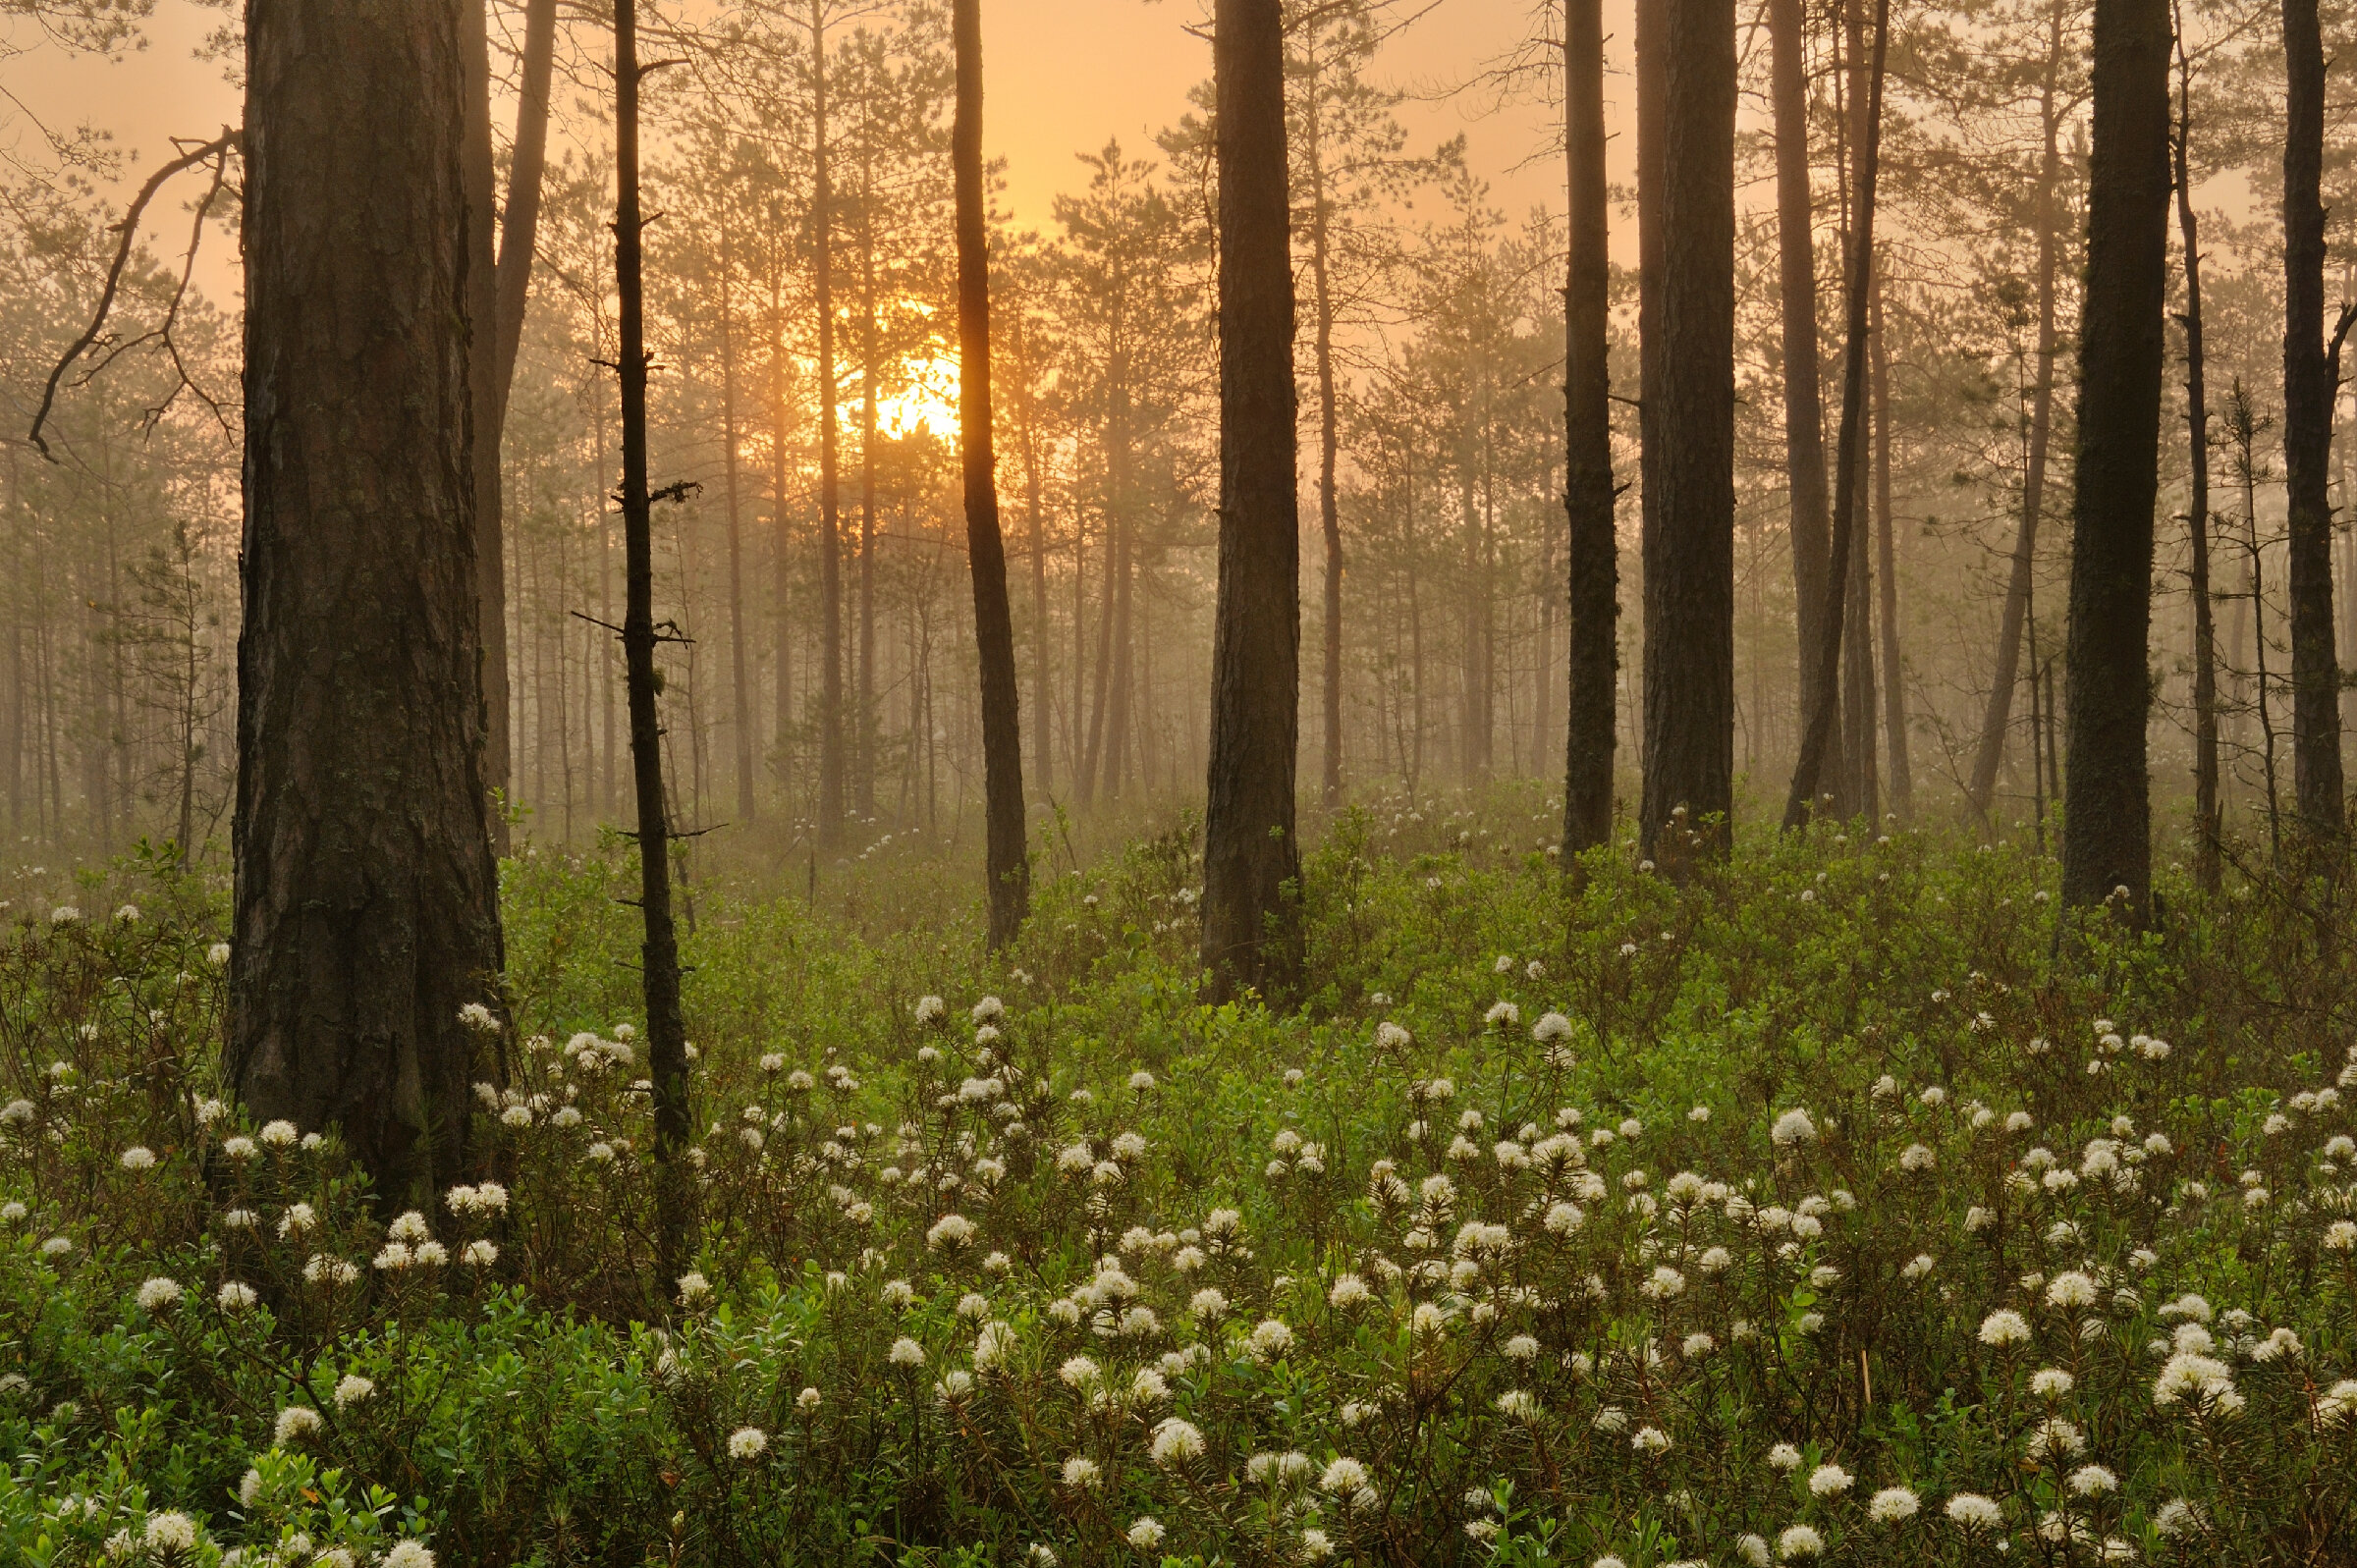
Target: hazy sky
1063	75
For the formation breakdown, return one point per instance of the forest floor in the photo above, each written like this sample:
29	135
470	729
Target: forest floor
1828	1208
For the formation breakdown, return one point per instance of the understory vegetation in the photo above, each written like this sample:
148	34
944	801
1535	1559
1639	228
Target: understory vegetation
1828	1208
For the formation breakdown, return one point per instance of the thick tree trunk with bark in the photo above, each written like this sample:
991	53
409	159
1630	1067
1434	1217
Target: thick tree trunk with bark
2206	826
659	950
1998	719
1251	928
2311	388
487	399
1685	174
2106	841
366	897
1804	399
1588	493
994	624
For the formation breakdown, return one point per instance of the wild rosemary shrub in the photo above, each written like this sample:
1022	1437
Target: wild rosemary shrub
1826	1209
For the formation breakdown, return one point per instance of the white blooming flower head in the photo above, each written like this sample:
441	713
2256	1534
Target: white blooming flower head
171	1531
1389	1036
905	1352
1175	1443
2336	1404
1210	1303
930	1009
1552	1027
2187	1306
1650	1440
1792	1129
234	1296
280	1134
158	1294
138	1158
2004	1326
1753	1551
748	1443
351	1389
1784	1456
2071	1291
693	1286
1316	1545
1521	1347
2195	1378
950	1233
808	1399
2093	1481
1893	1505
1799	1541
57	1247
217	954
1828	1480
1343	1477
410	1554
1145	1533
294	1424
1348	1294
2051	1382
1610	1418
1270	1339
1970	1510
1502	1015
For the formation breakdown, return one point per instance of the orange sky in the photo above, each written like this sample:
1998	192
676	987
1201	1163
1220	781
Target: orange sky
1063	75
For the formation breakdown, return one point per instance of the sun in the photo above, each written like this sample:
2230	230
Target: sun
927	398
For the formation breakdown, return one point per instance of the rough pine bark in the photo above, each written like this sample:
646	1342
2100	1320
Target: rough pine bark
2310	387
2106	841
1686	177
994	624
1588	495
366	897
486	398
1251	934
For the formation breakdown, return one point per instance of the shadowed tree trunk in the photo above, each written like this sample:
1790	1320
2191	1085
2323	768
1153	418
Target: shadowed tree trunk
659	951
994	624
497	291
1998	717
1329	516
1588	495
2311	388
1251	932
1849	468
366	897
2106	838
2206	824
1686	195
1804	401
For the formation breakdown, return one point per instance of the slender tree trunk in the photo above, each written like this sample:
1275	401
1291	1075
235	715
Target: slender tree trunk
1043	751
1251	863
1117	720
829	528
1592	544
1008	870
659	954
748	722
2106	840
1851	450
1998	720
1804	401
863	718
1330	515
781	566
1685	176
2206	826
486	401
1895	694
366	896
2311	388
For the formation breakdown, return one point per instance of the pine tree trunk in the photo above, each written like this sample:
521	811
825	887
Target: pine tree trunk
486	401
1591	547
2206	826
1997	718
1895	694
747	723
781	569
2311	388
1848	594
2106	841
863	718
1008	871
1251	931
659	953
1804	399
1685	174
1330	515
830	524
366	896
